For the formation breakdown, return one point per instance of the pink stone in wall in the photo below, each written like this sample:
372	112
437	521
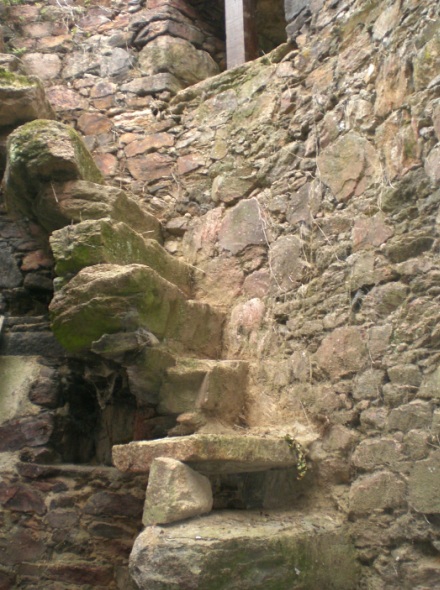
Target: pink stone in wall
107	163
45	66
189	163
94	123
349	166
64	99
148	144
257	284
342	352
369	232
36	260
150	167
248	316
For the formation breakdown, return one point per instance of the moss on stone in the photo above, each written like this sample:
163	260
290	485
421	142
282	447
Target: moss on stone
8	79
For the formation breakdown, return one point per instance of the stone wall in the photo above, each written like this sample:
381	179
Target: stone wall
304	186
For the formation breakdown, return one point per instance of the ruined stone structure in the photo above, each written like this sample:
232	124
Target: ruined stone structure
222	284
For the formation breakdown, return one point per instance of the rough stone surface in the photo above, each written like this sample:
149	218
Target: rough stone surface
188	493
22	99
277	552
179	58
18	374
358	86
242	227
135	296
214	390
381	490
63	203
99	242
209	453
41	152
423	485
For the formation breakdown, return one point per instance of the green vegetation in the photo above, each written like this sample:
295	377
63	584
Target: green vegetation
8	78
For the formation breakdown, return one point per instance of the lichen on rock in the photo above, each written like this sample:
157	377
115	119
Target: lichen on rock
42	152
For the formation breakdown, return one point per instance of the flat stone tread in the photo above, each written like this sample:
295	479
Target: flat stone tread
209	453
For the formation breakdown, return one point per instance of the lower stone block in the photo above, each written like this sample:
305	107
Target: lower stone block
175	492
242	550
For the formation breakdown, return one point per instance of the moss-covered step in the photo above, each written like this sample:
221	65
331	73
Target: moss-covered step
102	241
244	550
22	99
108	298
212	390
63	203
210	453
40	153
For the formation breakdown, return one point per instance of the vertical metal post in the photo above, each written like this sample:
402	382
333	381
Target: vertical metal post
241	32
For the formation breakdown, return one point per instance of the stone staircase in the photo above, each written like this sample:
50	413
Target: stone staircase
120	296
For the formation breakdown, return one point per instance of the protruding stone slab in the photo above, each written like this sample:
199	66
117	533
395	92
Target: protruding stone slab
209	453
108	298
175	492
22	98
62	204
179	58
41	153
101	241
243	550
212	389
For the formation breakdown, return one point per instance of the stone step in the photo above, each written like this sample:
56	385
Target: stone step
246	550
101	241
210	453
109	298
213	390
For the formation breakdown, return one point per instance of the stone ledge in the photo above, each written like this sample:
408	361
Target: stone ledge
209	453
246	551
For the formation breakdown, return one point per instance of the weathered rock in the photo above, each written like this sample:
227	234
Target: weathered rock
177	57
342	352
22	99
370	232
153	84
405	375
29	431
116	64
147	374
44	65
18	374
231	189
40	153
107	503
175	492
416	414
10	276
379	491
392	85
287	262
414	185
100	241
368	385
241	551
104	299
384	299
216	389
150	167
62	204
430	387
427	62
209	453
117	346
349	166
242	226
424	483
374	453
